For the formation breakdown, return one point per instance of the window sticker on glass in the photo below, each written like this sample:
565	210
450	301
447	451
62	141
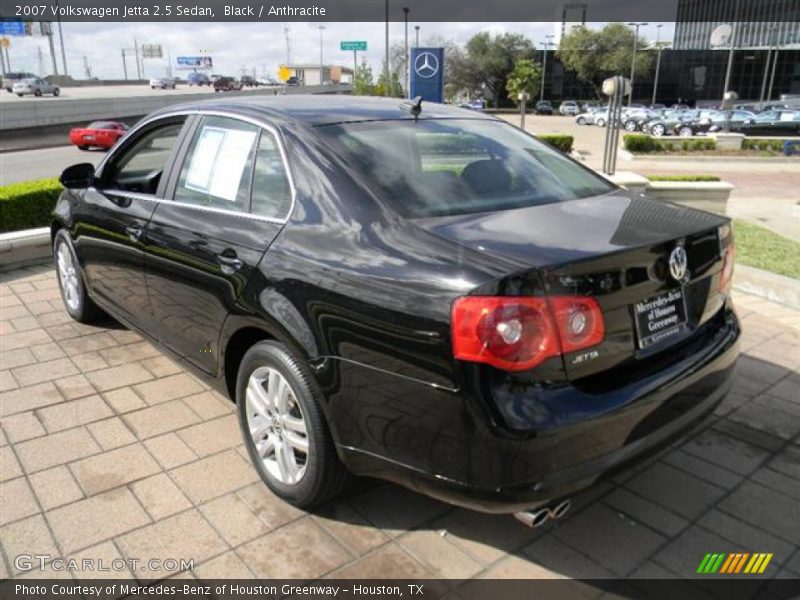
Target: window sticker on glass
219	161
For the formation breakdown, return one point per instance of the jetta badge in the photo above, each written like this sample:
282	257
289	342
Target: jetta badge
677	263
426	65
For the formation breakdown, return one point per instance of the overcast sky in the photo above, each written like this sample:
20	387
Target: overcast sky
234	46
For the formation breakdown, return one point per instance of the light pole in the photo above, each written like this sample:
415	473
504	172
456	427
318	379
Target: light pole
546	45
321	62
730	51
633	60
386	58
659	47
405	57
416	27
61	41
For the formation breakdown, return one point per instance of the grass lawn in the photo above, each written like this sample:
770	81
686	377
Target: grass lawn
761	248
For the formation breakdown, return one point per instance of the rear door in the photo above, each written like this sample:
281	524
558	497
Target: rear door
228	200
111	221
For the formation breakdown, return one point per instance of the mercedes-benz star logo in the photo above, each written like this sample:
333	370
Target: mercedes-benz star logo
426	65
677	263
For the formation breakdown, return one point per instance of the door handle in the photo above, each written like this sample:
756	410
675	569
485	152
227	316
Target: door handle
134	232
229	262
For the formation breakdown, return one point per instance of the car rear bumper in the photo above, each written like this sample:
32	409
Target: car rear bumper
466	460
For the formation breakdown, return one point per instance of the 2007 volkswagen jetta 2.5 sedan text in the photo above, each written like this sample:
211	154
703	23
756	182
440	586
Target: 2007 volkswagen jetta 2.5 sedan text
408	291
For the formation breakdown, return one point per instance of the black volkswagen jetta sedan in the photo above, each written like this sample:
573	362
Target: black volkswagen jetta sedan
408	291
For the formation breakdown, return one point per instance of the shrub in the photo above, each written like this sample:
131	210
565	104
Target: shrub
639	142
558	141
756	144
27	204
683	178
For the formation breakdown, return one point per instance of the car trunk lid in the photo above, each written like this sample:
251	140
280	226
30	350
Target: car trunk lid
614	248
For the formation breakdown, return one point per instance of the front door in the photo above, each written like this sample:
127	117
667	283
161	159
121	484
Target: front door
229	200
111	222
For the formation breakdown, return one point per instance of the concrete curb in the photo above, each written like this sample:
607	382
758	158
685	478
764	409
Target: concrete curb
23	248
626	155
778	288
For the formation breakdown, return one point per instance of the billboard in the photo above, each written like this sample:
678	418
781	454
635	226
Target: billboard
427	73
152	51
194	62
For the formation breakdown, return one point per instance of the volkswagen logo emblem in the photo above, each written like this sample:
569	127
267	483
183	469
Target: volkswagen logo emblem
678	263
426	65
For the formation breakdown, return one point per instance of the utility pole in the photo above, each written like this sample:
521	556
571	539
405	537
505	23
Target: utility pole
86	68
52	49
546	45
416	28
321	61
407	69
286	32
40	56
633	60
386	65
136	55
124	65
61	41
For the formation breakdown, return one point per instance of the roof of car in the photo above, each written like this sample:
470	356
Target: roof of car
326	109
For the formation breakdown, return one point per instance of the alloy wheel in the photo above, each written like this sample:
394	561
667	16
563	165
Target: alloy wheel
277	425
68	276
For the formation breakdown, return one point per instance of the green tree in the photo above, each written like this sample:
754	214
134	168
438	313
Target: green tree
596	55
526	77
487	62
395	88
363	81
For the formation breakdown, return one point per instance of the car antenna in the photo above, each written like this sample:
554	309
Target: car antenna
413	106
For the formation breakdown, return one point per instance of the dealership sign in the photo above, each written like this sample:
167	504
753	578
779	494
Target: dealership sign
427	73
195	62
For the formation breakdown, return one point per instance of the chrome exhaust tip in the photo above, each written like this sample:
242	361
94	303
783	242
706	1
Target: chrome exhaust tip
533	518
537	518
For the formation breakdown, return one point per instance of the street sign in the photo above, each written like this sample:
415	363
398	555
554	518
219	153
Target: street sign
12	28
152	51
284	73
194	62
353	45
5	42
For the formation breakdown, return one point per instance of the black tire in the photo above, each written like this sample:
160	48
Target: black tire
20	95
630	126
324	474
83	147
600	122
37	93
581	121
658	130
686	132
85	311
56	93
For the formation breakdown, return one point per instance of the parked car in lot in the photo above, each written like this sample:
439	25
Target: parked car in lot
543	107
198	79
34	86
227	84
592	116
267	81
477	104
773	123
672	120
714	122
293	81
97	134
162	83
9	79
498	330
248	81
569	107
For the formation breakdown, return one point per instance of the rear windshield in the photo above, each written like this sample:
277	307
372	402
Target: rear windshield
455	166
101	125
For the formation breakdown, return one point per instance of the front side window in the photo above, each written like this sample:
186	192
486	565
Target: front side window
455	166
140	166
218	167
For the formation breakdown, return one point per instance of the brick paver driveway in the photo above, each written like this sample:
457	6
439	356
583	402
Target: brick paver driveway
109	450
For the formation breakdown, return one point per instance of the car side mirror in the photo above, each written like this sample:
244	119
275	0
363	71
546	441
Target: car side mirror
78	176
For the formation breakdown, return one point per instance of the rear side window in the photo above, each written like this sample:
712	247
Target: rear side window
455	166
218	167
272	194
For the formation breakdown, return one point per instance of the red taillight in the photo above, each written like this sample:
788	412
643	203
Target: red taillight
726	274
579	320
518	333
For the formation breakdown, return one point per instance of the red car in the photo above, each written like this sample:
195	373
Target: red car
98	134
